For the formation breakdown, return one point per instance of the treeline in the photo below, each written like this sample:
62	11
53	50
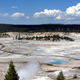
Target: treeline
40	28
46	38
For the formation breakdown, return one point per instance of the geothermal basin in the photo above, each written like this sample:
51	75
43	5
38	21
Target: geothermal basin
52	57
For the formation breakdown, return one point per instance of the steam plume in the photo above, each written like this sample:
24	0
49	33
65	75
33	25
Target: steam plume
29	71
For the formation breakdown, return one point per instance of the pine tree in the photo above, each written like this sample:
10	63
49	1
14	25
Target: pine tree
60	76
11	73
19	37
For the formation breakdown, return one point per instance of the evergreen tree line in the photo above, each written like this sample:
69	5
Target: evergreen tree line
46	38
40	28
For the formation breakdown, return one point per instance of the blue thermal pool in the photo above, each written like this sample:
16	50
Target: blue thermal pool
58	62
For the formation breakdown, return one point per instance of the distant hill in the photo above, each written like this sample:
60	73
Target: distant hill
40	28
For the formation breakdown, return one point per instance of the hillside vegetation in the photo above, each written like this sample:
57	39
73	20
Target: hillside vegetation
39	28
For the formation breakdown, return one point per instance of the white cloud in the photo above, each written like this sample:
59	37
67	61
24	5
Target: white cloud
71	13
47	14
27	17
4	15
14	7
59	17
73	10
17	15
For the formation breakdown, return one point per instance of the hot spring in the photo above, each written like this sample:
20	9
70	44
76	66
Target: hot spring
59	62
56	61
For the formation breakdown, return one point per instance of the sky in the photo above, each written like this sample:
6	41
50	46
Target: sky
40	12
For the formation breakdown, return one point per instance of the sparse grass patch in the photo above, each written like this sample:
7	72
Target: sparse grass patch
51	71
74	77
76	67
49	64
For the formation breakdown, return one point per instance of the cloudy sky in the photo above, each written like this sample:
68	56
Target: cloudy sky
40	11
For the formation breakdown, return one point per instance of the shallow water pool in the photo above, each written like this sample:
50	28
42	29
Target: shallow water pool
58	62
